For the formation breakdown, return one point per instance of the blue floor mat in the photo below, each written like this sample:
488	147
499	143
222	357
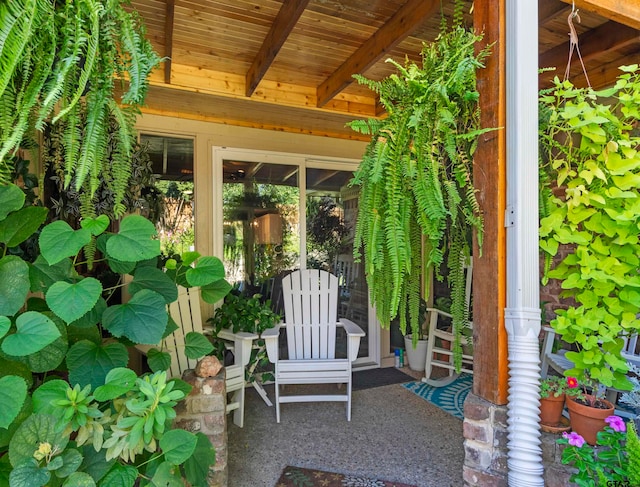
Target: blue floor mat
449	398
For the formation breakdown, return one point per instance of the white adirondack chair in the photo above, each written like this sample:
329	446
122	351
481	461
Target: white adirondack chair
440	355
311	304
185	311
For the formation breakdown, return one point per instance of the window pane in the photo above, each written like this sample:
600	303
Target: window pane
261	224
331	216
172	160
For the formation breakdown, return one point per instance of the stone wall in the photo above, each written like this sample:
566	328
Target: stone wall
204	410
485	432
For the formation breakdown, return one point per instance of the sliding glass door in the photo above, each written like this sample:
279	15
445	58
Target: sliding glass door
282	212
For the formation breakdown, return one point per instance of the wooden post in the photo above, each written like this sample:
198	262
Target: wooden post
489	271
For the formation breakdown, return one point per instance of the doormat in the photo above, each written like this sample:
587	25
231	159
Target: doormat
449	398
367	379
306	477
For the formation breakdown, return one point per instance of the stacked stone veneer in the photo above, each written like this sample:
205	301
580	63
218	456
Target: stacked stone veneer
485	446
204	410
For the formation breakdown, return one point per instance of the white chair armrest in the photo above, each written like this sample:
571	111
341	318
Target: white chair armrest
350	327
270	337
354	334
242	343
227	334
438	311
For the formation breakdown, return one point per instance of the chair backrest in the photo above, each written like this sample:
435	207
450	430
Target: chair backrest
185	311
310	307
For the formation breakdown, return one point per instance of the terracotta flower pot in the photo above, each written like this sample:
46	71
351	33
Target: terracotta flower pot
551	409
588	420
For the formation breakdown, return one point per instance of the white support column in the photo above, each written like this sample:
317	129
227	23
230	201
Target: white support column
522	315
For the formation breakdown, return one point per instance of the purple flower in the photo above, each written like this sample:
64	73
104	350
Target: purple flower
616	423
574	438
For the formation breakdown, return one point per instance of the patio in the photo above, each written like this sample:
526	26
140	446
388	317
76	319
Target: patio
413	441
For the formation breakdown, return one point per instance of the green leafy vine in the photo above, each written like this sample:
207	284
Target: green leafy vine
590	205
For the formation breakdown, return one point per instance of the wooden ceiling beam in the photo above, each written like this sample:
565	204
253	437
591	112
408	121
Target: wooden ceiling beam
168	38
281	27
625	12
608	37
548	10
403	22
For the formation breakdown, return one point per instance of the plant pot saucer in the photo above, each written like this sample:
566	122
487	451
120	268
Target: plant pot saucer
564	425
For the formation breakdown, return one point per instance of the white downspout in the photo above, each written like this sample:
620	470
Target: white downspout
522	314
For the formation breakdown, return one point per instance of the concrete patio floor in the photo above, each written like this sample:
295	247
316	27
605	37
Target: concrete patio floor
393	435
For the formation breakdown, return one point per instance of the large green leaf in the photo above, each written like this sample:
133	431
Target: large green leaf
7	433
43	396
34	332
156	280
8	366
79	479
95	225
206	271
13	391
29	474
158	360
11	199
167	475
214	292
178	445
5	324
89	363
51	356
21	224
71	460
72	301
14	284
134	242
36	429
120	476
95	462
93	317
196	468
59	241
118	381
142	320
43	275
196	345
77	333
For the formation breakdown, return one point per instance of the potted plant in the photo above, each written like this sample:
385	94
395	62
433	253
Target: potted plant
553	391
416	180
590	184
588	410
240	313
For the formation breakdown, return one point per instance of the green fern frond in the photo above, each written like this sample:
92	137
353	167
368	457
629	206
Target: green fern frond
416	178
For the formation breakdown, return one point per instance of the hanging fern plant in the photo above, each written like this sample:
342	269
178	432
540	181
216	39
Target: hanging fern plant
61	61
416	179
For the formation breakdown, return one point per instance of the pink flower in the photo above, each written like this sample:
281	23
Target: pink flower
616	423
572	382
574	438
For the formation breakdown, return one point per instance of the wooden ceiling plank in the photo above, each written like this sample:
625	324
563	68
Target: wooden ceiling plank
403	22
168	38
280	29
626	12
610	36
548	10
